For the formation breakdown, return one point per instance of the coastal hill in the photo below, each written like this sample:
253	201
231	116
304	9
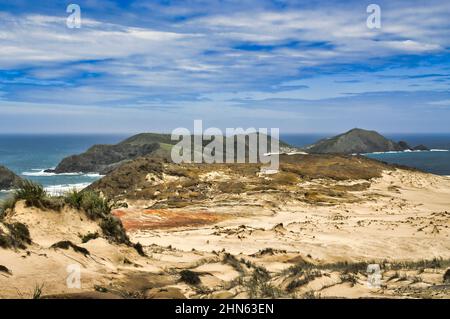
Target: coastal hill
359	141
8	179
155	229
104	158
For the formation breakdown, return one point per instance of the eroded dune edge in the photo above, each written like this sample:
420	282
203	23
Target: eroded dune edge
231	231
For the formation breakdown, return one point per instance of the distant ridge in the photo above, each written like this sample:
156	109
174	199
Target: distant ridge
104	158
358	141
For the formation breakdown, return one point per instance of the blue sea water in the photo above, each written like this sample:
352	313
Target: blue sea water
436	162
30	155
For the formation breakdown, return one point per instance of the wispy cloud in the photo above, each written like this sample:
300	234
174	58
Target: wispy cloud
214	55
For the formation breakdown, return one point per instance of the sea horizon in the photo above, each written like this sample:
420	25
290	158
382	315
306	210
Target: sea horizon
29	155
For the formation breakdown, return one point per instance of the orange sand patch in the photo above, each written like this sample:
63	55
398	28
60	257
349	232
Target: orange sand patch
160	218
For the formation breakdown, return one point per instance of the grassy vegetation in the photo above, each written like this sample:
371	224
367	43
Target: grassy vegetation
5	205
259	285
350	278
98	208
34	195
88	237
17	236
37	293
92	204
113	229
349	271
233	262
305	278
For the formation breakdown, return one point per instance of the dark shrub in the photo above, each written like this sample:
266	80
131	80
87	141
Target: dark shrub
447	277
190	277
4	269
113	229
139	249
88	237
68	244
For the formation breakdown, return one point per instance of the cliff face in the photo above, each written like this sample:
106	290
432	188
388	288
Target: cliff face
8	179
357	141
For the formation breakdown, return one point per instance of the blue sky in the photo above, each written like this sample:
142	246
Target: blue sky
301	66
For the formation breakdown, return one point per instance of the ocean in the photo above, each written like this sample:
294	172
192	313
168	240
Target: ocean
436	161
29	155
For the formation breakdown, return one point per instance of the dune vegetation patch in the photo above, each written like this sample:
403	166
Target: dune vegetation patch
14	235
66	244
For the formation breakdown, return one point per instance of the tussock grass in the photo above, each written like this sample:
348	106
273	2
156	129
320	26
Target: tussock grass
6	204
91	203
259	285
306	277
17	236
350	278
32	193
233	262
37	293
348	270
98	208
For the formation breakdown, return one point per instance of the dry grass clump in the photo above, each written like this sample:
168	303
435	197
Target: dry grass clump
15	235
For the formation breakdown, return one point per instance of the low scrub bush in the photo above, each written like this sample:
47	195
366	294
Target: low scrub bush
190	277
68	244
88	237
113	229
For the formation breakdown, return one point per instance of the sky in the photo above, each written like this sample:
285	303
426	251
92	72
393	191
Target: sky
153	66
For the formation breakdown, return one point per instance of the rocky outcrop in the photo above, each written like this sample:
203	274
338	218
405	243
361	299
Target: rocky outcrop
8	179
104	158
358	141
421	147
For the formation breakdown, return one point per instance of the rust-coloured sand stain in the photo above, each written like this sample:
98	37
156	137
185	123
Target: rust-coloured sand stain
133	219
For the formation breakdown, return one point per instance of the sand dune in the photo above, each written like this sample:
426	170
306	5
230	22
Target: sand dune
254	244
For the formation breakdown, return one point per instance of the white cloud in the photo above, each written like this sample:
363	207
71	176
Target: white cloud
194	60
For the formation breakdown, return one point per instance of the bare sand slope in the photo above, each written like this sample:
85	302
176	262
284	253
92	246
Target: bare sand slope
308	240
403	216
